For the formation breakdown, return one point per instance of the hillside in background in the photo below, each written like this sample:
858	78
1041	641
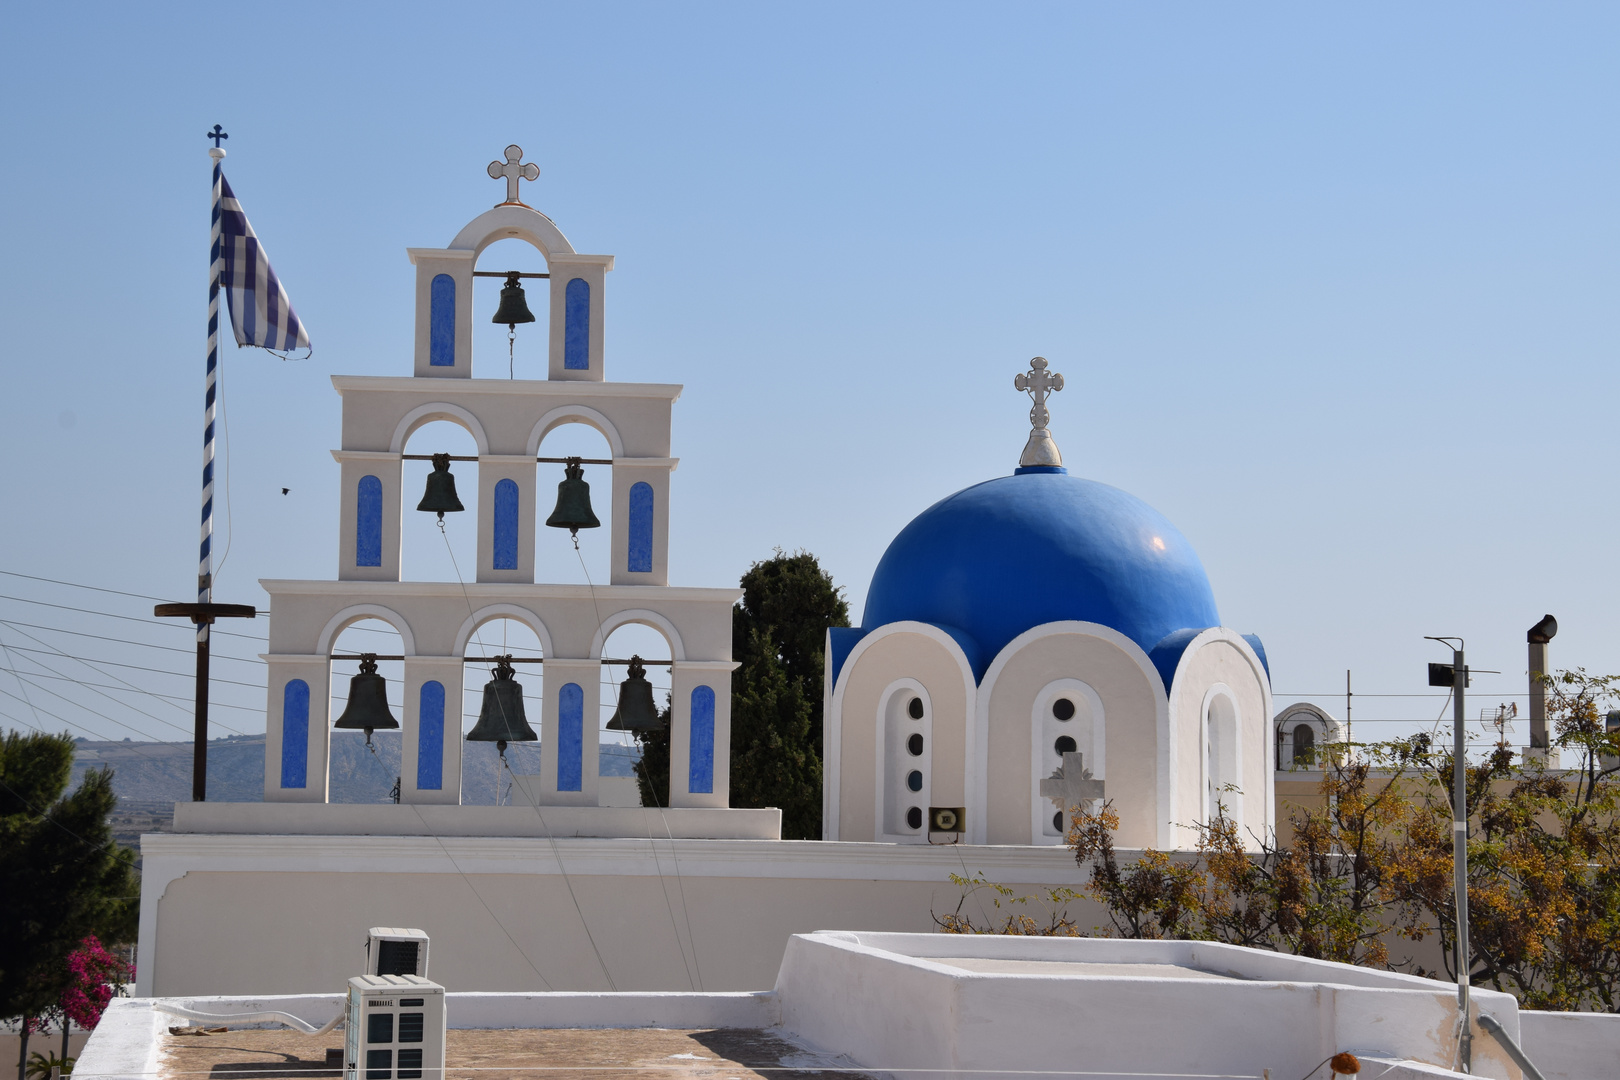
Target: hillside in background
150	777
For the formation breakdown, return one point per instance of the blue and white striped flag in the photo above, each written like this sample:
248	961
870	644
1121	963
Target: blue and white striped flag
261	314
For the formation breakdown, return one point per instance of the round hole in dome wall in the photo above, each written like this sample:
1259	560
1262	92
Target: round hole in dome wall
1064	745
914	817
914	780
915	745
1063	709
915	708
1057	821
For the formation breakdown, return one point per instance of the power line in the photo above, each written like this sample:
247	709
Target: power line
132	667
92	588
127	618
128	641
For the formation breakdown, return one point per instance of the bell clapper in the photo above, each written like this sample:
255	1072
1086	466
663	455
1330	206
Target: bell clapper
500	748
511	336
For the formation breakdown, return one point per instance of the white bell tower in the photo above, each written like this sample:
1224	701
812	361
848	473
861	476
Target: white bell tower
507	419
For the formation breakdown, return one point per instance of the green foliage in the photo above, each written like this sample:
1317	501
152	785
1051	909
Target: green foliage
779	634
773	760
61	876
40	1065
791	601
1014	918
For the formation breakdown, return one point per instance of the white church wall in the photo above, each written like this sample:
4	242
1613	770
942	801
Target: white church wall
1132	701
1220	679
1084	726
312	897
506	517
904	750
850	780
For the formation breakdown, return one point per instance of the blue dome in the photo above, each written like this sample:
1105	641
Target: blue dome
998	558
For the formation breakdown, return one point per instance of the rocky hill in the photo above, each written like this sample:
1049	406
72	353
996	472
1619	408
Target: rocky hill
150	777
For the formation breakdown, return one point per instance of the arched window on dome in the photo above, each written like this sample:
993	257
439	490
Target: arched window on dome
905	757
1067	717
1222	774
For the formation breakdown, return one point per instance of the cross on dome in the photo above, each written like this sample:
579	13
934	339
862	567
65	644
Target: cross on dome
512	172
1039	384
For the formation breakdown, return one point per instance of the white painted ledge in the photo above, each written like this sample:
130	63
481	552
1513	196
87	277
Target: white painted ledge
429	820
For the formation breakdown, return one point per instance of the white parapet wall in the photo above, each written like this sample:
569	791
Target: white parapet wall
947	1005
1571	1046
966	1007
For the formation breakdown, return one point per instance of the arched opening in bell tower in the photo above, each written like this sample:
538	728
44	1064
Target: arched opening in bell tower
620	752
485	781
426	553
359	773
529	353
556	559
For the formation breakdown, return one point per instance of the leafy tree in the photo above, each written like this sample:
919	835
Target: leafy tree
778	636
62	879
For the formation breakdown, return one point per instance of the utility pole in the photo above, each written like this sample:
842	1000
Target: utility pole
1347	696
203	615
1456	676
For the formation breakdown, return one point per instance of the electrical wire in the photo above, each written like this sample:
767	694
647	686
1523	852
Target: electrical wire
109	697
79	585
128	641
127	618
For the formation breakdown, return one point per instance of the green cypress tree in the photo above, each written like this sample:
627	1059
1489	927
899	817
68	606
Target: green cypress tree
778	637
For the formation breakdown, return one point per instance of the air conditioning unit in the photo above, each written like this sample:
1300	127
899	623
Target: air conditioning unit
394	1030
396	950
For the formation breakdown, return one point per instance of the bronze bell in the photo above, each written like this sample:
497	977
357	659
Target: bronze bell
501	720
514	309
440	494
573	501
636	711
367	707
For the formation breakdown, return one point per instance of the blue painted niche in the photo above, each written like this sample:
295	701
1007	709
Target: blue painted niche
577	325
295	734
442	321
430	738
641	528
368	522
505	555
700	762
570	737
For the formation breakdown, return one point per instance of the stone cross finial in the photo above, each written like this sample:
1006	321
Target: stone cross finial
1072	783
512	172
1039	384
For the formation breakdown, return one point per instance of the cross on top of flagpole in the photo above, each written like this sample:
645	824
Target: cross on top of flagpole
217	134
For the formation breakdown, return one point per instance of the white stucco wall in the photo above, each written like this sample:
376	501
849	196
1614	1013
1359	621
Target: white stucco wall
1219	663
228	914
900	651
1132	698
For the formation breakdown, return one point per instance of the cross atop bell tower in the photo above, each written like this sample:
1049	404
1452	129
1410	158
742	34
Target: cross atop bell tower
1039	384
512	172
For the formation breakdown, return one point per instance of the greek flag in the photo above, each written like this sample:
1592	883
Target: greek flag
261	314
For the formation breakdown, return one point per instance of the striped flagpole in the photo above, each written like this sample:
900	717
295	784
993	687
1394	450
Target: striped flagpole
205	554
205	547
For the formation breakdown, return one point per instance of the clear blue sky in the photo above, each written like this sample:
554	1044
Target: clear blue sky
1333	287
